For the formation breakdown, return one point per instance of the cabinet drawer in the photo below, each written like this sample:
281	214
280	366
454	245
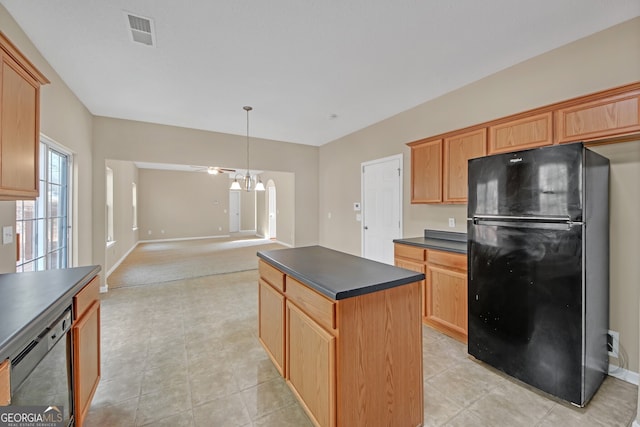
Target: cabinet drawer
83	299
418	267
448	259
272	275
318	307
411	252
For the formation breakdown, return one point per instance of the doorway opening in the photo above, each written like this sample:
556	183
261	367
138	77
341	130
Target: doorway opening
234	211
271	206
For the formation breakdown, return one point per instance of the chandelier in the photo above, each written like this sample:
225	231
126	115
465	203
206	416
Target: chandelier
248	181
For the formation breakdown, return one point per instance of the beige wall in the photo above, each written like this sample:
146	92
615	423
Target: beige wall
604	60
125	237
284	184
178	205
64	119
624	200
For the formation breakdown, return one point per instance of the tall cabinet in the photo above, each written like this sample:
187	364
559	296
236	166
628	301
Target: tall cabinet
20	85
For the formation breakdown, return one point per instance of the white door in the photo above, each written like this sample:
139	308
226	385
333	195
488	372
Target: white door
234	211
272	212
381	207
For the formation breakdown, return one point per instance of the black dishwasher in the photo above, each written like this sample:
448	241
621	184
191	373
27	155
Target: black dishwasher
41	371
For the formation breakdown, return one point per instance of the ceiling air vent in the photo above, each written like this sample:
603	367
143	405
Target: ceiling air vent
141	29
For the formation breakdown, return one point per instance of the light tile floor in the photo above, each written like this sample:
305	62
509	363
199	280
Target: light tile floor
186	353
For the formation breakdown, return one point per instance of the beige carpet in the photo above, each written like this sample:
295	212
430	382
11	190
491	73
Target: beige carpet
168	261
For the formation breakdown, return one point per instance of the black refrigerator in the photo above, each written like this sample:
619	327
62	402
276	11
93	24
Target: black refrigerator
538	279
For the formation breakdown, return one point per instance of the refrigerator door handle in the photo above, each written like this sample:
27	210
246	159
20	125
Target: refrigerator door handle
529	220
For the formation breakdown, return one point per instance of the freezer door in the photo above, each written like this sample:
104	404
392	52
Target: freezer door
540	182
525	303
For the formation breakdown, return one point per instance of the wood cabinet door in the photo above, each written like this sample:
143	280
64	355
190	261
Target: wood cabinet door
86	360
613	116
528	132
457	151
446	301
311	366
426	172
5	383
420	268
271	313
19	135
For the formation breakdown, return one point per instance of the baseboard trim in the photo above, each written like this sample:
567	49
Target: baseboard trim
624	375
114	266
283	243
178	239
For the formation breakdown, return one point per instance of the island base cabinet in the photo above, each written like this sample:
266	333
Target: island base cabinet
271	323
311	354
350	362
380	359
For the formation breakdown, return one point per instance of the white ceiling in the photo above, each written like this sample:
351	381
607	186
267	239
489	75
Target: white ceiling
297	62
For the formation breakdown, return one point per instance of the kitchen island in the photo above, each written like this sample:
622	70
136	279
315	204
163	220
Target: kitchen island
345	332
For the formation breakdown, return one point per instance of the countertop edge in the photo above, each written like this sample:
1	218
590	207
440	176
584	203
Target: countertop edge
48	315
445	245
415	277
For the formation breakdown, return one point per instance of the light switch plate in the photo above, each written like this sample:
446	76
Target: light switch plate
7	234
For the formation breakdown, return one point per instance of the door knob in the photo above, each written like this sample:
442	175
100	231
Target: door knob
366	228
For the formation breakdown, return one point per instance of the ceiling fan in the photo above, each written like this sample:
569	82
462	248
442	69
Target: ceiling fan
212	170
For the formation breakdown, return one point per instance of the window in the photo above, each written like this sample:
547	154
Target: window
134	205
44	224
109	179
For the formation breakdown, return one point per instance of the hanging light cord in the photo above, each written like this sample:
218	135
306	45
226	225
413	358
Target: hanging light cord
247	109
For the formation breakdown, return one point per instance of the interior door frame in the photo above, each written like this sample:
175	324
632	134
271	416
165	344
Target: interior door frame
363	208
234	197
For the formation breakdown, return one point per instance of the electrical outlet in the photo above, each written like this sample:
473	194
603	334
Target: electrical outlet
613	343
452	222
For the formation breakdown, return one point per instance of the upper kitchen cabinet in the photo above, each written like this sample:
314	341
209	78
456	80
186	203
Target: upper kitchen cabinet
439	166
520	134
20	85
458	150
426	172
607	117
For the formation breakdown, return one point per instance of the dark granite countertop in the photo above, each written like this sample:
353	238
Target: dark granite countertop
31	301
441	240
336	274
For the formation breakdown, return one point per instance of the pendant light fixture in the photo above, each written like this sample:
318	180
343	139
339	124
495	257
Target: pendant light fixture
248	181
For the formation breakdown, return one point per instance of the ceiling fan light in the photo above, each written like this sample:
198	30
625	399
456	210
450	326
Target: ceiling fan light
259	185
213	171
